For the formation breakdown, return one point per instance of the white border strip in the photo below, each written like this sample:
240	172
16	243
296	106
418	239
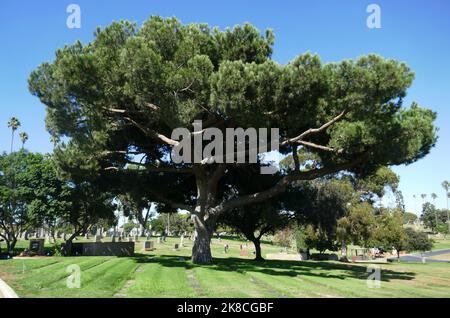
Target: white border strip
6	291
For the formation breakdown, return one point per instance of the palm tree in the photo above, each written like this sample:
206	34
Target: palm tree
423	196
434	197
446	186
23	137
13	123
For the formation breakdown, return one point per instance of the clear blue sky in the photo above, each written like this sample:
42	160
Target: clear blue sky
417	32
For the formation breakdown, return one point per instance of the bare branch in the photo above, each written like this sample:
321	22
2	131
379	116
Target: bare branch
152	106
320	147
315	130
153	134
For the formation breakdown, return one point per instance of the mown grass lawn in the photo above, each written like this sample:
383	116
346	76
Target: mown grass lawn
168	273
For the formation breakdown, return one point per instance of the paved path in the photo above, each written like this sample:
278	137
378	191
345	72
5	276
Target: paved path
417	257
6	291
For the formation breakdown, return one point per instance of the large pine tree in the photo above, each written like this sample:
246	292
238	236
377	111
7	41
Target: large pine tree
118	98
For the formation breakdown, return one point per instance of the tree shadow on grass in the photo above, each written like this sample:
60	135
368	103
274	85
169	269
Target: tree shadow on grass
278	267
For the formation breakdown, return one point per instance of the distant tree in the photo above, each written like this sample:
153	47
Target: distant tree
89	205
128	227
254	221
137	206
317	207
319	239
23	138
285	237
357	226
31	195
423	196
446	186
433	217
399	200
13	124
257	220
179	223
409	217
442	228
418	241
434	197
159	224
389	232
51	196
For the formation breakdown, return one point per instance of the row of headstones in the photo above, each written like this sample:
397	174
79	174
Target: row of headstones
42	233
243	249
121	237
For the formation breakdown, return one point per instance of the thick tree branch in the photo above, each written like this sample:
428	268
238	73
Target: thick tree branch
217	175
284	182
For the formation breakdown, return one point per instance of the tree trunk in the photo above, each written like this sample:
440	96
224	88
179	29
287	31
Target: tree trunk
257	243
10	244
205	216
201	250
68	249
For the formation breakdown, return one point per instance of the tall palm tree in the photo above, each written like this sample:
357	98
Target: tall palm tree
24	138
423	196
434	197
446	186
14	124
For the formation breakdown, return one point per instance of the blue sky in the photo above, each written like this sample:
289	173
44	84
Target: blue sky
417	32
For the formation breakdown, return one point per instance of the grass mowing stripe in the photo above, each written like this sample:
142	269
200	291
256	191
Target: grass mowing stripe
157	280
82	268
219	282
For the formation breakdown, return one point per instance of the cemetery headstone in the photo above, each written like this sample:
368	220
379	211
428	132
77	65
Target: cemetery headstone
182	240
149	246
37	246
244	251
176	246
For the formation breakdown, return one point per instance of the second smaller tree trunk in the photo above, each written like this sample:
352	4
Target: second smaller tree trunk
258	255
